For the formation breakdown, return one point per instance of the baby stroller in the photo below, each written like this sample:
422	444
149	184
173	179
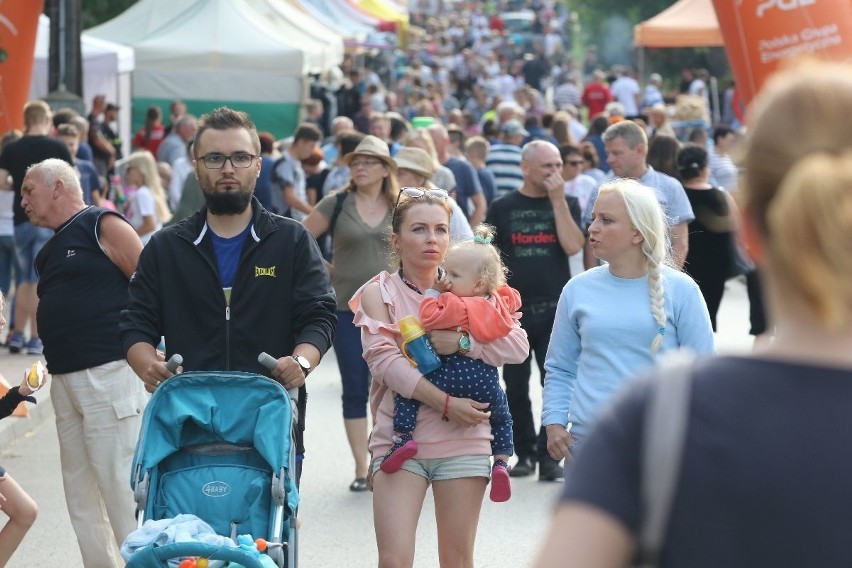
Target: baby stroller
220	446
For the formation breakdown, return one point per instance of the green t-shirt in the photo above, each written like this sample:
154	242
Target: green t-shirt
360	251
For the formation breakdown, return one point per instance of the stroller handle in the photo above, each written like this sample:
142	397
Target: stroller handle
270	362
174	362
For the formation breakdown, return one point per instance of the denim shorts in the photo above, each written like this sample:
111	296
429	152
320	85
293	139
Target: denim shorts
29	240
442	469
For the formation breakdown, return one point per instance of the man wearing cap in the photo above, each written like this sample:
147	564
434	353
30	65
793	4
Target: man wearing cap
290	194
103	153
504	157
110	118
415	168
468	189
652	95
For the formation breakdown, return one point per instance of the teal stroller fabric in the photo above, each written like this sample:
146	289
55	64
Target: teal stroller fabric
211	445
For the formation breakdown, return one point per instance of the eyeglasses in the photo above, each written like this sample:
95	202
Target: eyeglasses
575	162
240	160
418	192
364	163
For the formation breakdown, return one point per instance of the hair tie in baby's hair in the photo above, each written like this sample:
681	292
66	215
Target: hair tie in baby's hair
662	331
482	240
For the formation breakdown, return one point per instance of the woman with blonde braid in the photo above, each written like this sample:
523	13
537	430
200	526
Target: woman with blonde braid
765	464
614	320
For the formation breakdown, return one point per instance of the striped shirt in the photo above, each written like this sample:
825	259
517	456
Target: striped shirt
504	161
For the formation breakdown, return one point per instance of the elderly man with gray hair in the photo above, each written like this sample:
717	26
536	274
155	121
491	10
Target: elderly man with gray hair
98	400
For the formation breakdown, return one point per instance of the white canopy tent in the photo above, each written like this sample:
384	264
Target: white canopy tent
249	54
106	70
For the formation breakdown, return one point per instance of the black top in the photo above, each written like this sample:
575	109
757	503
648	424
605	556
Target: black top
765	473
81	295
527	240
711	235
17	156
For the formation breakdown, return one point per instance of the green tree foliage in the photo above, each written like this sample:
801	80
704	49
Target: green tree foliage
99	11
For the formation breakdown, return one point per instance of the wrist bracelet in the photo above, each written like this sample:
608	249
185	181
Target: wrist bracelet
444	416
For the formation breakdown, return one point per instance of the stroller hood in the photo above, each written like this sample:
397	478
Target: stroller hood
202	407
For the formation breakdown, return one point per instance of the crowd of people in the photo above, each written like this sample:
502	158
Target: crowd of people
505	184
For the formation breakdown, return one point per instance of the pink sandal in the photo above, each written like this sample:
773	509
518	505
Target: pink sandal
403	449
501	488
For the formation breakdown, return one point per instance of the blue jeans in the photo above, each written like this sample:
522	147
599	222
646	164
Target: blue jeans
29	240
354	373
8	263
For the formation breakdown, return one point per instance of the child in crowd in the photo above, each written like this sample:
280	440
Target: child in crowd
472	297
475	150
14	501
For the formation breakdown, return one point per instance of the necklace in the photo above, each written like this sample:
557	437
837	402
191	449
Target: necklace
411	284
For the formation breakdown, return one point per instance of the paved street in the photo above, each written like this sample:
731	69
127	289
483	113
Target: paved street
336	525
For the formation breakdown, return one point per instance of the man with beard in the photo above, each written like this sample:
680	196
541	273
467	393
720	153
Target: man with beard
233	280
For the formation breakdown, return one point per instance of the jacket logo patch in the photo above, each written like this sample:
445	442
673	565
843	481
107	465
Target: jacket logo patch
70	252
264	271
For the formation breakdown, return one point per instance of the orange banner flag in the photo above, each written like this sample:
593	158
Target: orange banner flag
761	34
18	27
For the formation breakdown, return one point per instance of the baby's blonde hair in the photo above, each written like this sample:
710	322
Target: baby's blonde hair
492	271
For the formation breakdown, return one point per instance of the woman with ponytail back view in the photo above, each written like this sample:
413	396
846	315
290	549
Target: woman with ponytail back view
765	469
614	320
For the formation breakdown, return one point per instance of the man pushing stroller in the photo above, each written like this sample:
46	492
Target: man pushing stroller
231	281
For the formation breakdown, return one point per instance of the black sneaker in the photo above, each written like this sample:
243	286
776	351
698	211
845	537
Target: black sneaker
524	468
550	470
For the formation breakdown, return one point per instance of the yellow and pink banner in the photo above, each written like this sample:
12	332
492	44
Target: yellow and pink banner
18	26
761	34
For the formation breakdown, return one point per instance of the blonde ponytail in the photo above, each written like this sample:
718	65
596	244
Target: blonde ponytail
809	223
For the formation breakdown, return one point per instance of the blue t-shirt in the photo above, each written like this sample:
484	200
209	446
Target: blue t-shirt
467	182
89	180
670	194
489	187
228	256
263	187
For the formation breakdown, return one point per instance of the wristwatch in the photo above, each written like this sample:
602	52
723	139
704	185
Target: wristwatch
464	343
303	363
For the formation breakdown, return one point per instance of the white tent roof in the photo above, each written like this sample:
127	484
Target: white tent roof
99	56
103	62
227	49
247	33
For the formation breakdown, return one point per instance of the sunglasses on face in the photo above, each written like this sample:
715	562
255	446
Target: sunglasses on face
575	162
418	192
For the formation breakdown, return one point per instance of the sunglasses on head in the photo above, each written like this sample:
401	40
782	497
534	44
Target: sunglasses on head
418	192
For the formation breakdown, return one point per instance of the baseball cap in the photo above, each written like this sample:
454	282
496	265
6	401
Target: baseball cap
112	106
513	127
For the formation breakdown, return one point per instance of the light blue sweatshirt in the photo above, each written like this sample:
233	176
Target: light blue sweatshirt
602	336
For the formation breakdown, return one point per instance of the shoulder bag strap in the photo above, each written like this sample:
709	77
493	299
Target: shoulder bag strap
339	198
666	420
